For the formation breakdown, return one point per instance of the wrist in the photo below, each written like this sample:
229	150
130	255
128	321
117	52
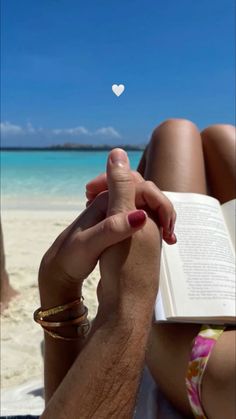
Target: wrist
128	302
132	312
54	291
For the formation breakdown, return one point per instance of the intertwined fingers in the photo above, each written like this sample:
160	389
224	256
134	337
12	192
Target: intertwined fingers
148	196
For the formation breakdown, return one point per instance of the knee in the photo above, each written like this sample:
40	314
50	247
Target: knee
173	124
176	123
216	133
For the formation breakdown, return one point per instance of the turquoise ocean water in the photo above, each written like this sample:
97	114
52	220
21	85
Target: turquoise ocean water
50	179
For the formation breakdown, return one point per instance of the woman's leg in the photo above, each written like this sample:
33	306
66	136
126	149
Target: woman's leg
219	147
174	161
219	382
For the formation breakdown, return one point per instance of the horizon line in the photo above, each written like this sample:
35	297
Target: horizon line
128	147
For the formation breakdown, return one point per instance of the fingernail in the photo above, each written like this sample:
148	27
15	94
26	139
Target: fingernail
137	218
171	227
166	233
89	194
88	203
173	238
119	157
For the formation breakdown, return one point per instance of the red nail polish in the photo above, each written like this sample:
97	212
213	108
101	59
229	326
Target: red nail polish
173	238
172	226
137	218
88	203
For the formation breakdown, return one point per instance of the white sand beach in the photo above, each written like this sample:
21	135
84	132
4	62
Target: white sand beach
27	235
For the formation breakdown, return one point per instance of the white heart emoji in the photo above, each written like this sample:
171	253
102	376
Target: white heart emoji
118	90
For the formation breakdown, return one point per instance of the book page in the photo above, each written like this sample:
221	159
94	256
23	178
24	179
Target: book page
229	212
201	266
163	304
159	312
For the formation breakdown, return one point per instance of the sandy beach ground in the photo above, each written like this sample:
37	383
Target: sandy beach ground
27	235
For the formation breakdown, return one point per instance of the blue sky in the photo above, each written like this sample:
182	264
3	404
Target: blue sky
61	57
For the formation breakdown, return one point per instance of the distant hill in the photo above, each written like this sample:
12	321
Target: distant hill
77	147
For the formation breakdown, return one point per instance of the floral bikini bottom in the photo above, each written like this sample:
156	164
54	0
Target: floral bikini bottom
202	346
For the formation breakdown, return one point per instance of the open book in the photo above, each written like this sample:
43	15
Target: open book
197	278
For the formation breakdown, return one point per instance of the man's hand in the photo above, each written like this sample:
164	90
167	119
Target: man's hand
130	269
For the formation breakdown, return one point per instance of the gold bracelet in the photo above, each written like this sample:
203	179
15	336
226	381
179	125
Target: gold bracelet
80	323
55	310
82	333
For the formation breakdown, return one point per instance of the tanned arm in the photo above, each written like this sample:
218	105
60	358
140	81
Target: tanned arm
104	379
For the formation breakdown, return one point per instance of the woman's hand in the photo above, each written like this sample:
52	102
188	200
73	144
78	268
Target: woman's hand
147	196
74	254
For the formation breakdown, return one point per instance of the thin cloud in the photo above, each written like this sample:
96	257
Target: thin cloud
9	129
103	131
30	128
71	131
108	132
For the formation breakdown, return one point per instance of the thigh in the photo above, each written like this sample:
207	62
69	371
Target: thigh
174	162
219	380
220	161
174	158
167	358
